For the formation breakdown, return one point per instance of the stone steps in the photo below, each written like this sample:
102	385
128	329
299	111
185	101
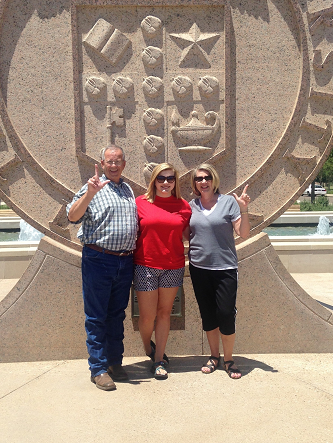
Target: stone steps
7	213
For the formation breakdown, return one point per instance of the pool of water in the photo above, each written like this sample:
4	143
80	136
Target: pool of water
272	231
290	231
24	233
9	235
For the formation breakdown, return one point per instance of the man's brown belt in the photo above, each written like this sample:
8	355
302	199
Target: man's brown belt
107	251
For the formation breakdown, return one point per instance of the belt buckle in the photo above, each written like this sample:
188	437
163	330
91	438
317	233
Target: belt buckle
122	253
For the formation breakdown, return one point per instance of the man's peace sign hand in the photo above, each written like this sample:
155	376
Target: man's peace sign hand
95	184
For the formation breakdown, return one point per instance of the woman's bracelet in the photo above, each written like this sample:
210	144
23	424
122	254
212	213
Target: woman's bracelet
245	212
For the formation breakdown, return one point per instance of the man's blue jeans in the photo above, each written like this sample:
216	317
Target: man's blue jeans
106	282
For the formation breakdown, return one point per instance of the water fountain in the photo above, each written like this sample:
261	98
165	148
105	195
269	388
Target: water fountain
323	227
303	241
28	233
18	249
300	225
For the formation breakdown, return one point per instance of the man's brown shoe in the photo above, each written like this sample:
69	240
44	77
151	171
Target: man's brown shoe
118	373
104	381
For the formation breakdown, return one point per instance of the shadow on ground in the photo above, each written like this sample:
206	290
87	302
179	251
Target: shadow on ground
140	371
326	305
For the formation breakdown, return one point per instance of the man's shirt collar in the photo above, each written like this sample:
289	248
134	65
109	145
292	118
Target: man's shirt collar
113	184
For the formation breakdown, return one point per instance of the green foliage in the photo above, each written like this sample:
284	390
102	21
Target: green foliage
4	207
322	200
320	204
326	173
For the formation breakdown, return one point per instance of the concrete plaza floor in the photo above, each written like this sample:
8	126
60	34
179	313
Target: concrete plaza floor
280	398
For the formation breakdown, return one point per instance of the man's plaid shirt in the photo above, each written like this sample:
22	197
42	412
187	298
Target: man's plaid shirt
110	220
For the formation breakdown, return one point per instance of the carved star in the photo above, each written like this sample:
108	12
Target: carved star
193	41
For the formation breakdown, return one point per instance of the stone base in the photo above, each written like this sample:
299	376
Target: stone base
274	313
42	316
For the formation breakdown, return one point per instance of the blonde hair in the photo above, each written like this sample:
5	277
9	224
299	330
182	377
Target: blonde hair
212	171
151	191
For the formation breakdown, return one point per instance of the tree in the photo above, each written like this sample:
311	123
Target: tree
313	185
325	175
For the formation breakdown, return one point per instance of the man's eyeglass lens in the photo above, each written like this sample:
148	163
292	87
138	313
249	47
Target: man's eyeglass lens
169	179
207	178
117	162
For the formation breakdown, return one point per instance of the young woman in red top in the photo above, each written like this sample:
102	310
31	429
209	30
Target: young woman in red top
159	259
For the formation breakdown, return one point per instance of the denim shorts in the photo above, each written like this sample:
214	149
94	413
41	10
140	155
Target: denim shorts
150	279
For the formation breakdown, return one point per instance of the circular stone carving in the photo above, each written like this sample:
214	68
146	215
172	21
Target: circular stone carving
181	86
273	130
152	56
151	25
153	144
208	86
152	86
122	86
153	118
95	86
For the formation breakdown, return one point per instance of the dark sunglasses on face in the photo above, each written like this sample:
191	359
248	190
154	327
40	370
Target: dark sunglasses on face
169	179
206	177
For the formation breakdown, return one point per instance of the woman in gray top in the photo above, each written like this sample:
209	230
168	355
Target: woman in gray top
213	261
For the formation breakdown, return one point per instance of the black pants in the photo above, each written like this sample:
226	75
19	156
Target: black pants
216	293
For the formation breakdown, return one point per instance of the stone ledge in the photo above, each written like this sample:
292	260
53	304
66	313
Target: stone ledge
296	217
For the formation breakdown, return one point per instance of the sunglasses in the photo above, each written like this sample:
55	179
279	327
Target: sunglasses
169	179
206	177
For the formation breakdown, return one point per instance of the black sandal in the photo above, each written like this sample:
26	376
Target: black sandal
158	366
230	370
211	364
153	350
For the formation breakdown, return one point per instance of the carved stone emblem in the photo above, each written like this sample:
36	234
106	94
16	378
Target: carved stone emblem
182	85
153	144
151	26
195	134
152	56
254	99
194	42
152	86
123	86
148	169
208	85
153	117
176	87
95	86
107	40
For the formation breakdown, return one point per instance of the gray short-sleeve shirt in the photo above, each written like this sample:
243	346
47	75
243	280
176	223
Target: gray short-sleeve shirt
212	244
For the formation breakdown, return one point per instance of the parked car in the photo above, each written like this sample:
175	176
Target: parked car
319	190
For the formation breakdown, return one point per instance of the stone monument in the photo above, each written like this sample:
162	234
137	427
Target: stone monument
242	84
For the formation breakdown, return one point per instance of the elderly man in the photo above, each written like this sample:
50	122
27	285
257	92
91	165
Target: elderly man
106	208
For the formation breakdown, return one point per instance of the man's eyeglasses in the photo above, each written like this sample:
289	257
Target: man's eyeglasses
117	162
169	179
206	177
